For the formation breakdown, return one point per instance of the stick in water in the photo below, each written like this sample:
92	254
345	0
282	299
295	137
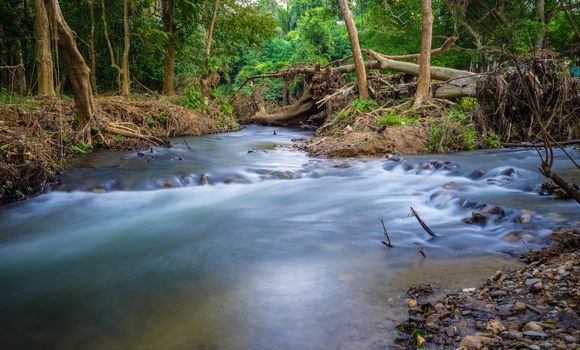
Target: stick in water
420	249
186	144
388	242
422	223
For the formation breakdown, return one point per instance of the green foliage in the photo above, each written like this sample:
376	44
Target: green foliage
492	140
453	132
80	147
225	107
193	99
393	118
466	103
162	119
364	105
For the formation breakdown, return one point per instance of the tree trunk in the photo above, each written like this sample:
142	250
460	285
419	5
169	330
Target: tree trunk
44	63
125	78
92	53
169	27
424	81
210	34
541	16
21	72
361	76
123	70
78	72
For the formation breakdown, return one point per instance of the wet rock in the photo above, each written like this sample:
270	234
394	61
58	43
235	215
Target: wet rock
519	307
284	175
532	281
535	334
481	216
537	287
498	293
477	174
342	166
515	335
436	163
533	326
203	180
570	339
494	326
474	341
98	190
533	347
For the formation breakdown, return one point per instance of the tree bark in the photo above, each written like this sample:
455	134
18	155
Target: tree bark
168	9
123	70
361	76
541	16
125	78
210	34
44	62
92	53
424	81
78	72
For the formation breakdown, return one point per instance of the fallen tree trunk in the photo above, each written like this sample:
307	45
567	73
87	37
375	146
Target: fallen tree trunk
294	115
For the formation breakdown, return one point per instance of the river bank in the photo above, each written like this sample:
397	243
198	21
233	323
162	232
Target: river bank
38	136
533	307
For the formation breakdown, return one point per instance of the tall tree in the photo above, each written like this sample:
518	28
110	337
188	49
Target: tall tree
78	72
168	10
45	66
361	75
210	33
424	81
92	54
123	69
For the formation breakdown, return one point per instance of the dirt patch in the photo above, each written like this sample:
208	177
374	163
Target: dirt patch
405	139
534	307
37	138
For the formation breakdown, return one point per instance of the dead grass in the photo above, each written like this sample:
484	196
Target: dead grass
37	139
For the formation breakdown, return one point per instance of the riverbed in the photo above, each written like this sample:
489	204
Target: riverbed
242	241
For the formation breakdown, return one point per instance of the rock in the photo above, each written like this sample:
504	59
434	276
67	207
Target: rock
498	293
474	341
496	276
515	335
537	287
533	347
468	290
494	326
284	175
535	334
533	326
203	180
98	190
440	309
532	281
342	166
570	339
431	319
546	345
519	307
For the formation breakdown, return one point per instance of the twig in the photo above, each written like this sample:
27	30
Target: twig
388	242
188	147
525	244
420	249
422	223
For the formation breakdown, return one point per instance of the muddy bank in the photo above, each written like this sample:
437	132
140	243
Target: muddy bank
39	137
409	139
533	307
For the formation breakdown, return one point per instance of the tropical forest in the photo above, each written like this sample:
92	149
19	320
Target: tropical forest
289	174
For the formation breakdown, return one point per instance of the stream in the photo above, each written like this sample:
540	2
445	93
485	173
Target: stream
241	241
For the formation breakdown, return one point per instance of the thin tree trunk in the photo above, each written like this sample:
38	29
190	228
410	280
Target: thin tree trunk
21	72
541	16
78	72
125	78
424	81
123	70
168	9
92	53
44	62
210	34
361	75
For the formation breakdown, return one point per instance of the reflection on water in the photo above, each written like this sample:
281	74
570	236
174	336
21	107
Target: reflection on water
278	251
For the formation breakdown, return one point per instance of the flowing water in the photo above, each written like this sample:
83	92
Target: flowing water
239	241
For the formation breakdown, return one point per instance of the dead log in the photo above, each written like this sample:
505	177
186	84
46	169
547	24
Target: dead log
293	115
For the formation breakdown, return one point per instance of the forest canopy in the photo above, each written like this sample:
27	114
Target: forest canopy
254	37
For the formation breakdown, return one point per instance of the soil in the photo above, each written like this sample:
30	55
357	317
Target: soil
404	139
533	307
38	137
